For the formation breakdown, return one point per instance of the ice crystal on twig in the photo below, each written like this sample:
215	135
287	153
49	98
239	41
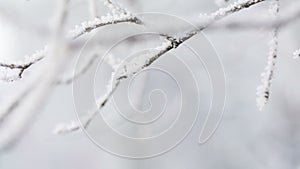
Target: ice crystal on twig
108	19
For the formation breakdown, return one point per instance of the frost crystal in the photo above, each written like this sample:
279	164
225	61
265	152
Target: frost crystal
104	20
296	54
11	71
139	62
117	15
115	8
224	11
205	19
112	61
8	75
66	128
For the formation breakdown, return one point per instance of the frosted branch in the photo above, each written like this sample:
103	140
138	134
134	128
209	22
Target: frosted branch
263	91
22	66
139	63
108	19
119	15
258	23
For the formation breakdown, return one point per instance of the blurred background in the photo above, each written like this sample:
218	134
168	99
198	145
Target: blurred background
246	137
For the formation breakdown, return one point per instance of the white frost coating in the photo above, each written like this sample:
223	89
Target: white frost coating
9	75
296	54
118	14
112	61
87	26
10	71
36	56
115	7
133	66
205	19
263	91
62	128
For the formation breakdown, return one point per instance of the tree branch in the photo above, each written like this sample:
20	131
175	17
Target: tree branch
141	62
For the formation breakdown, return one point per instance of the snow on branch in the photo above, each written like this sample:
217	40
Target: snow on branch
119	15
263	91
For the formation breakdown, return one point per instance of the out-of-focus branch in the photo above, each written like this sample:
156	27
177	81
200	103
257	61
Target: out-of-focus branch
119	15
110	60
93	8
139	63
17	117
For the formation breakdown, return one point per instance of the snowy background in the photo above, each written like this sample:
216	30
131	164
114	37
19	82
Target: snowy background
246	137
